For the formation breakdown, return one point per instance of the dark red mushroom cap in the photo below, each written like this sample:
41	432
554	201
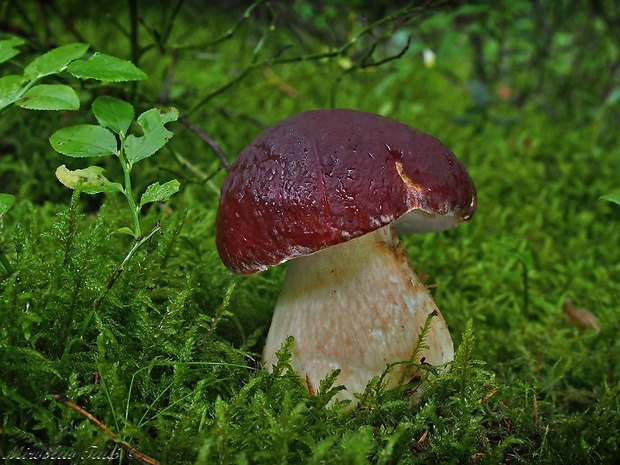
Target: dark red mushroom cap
327	176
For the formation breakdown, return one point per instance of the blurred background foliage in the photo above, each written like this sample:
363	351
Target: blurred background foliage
526	93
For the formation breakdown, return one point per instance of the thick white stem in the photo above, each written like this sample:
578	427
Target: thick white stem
357	307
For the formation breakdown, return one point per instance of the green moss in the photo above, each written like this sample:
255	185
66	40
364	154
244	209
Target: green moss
166	356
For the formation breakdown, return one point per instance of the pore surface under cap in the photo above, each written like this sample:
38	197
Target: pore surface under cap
326	176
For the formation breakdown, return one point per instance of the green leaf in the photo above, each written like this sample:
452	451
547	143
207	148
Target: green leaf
10	88
113	113
106	68
6	202
612	198
84	140
8	50
49	97
159	192
125	230
54	61
155	134
90	180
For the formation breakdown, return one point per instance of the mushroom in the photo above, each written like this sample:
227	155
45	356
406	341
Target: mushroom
330	190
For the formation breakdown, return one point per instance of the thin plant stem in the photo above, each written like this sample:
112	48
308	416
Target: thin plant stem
25	89
126	165
229	33
402	14
111	281
121	266
208	139
133	32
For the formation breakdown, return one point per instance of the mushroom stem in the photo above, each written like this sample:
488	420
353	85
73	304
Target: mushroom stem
357	307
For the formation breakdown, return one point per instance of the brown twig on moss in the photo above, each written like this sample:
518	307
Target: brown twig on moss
131	451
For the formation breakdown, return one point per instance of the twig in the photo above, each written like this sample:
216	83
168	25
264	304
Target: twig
205	137
111	281
276	59
388	59
164	93
579	316
121	266
162	38
131	451
488	395
229	33
203	178
220	90
133	32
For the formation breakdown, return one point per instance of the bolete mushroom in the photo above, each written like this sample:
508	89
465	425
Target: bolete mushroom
329	190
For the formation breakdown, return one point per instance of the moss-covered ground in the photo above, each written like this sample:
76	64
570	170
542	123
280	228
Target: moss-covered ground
527	94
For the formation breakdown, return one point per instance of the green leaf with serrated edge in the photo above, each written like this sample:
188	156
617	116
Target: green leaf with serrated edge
6	202
84	140
54	61
153	118
159	192
90	180
155	134
49	97
612	198
8	50
106	68
113	113
10	88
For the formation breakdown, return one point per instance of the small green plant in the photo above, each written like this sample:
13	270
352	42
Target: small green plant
26	90
109	138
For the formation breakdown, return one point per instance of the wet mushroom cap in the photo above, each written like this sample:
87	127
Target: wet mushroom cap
324	177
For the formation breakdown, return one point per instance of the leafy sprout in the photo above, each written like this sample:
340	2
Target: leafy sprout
111	138
27	92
